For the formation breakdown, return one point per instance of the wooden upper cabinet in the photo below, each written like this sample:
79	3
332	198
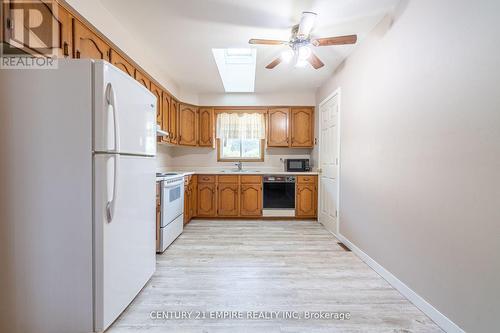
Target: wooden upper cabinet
228	199
173	121
159	103
87	44
277	127
167	100
306	199
52	37
206	127
65	33
142	78
121	63
187	125
302	127
251	200
206	199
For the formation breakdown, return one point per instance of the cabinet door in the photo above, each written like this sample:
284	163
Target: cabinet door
158	213
251	200
159	103
228	200
52	37
206	127
187	202
193	200
277	128
302	127
306	200
65	33
121	63
173	121
206	200
187	125
142	78
87	44
166	116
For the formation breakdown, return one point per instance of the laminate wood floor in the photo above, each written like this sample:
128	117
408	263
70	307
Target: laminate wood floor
252	268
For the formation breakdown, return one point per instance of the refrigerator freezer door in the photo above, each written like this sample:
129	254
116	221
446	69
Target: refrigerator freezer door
124	113
125	245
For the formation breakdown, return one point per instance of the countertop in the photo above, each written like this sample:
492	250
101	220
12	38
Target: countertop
231	172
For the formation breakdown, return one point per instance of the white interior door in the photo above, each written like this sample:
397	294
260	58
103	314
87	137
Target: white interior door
329	161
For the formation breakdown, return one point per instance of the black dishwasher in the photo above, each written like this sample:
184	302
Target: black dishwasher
279	192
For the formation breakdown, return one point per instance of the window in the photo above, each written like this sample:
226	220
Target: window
240	136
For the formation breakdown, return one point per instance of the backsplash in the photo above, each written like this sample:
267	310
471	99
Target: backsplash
192	157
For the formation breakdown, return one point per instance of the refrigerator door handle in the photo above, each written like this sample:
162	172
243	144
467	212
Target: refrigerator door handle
111	99
110	206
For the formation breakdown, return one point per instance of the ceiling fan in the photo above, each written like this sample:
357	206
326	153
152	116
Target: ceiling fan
300	42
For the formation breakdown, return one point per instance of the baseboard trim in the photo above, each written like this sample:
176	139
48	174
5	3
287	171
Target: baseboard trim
440	319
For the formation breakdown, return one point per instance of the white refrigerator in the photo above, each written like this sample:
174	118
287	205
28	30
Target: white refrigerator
78	196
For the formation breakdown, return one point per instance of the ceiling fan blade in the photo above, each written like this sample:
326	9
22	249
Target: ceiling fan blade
306	24
315	61
274	63
340	40
267	41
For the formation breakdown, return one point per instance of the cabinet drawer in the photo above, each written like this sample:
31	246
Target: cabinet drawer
251	179
306	179
206	179
233	179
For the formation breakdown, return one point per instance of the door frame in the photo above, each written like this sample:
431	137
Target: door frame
337	92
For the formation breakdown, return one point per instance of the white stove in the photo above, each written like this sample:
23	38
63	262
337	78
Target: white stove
172	208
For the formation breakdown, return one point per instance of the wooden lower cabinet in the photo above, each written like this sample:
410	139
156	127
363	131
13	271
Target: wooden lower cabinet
190	196
193	205
207	206
251	200
228	199
241	196
306	197
158	212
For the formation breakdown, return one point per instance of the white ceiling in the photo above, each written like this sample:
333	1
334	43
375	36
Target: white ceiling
182	34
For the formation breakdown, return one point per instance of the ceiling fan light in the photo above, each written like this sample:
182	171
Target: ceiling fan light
304	53
301	63
287	55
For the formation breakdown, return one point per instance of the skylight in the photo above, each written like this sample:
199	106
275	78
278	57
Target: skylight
236	68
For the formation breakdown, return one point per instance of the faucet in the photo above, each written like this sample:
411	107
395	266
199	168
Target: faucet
239	165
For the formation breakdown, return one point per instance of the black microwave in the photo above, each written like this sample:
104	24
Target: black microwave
297	165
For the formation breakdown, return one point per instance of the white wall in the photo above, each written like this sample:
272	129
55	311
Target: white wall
256	99
420	182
